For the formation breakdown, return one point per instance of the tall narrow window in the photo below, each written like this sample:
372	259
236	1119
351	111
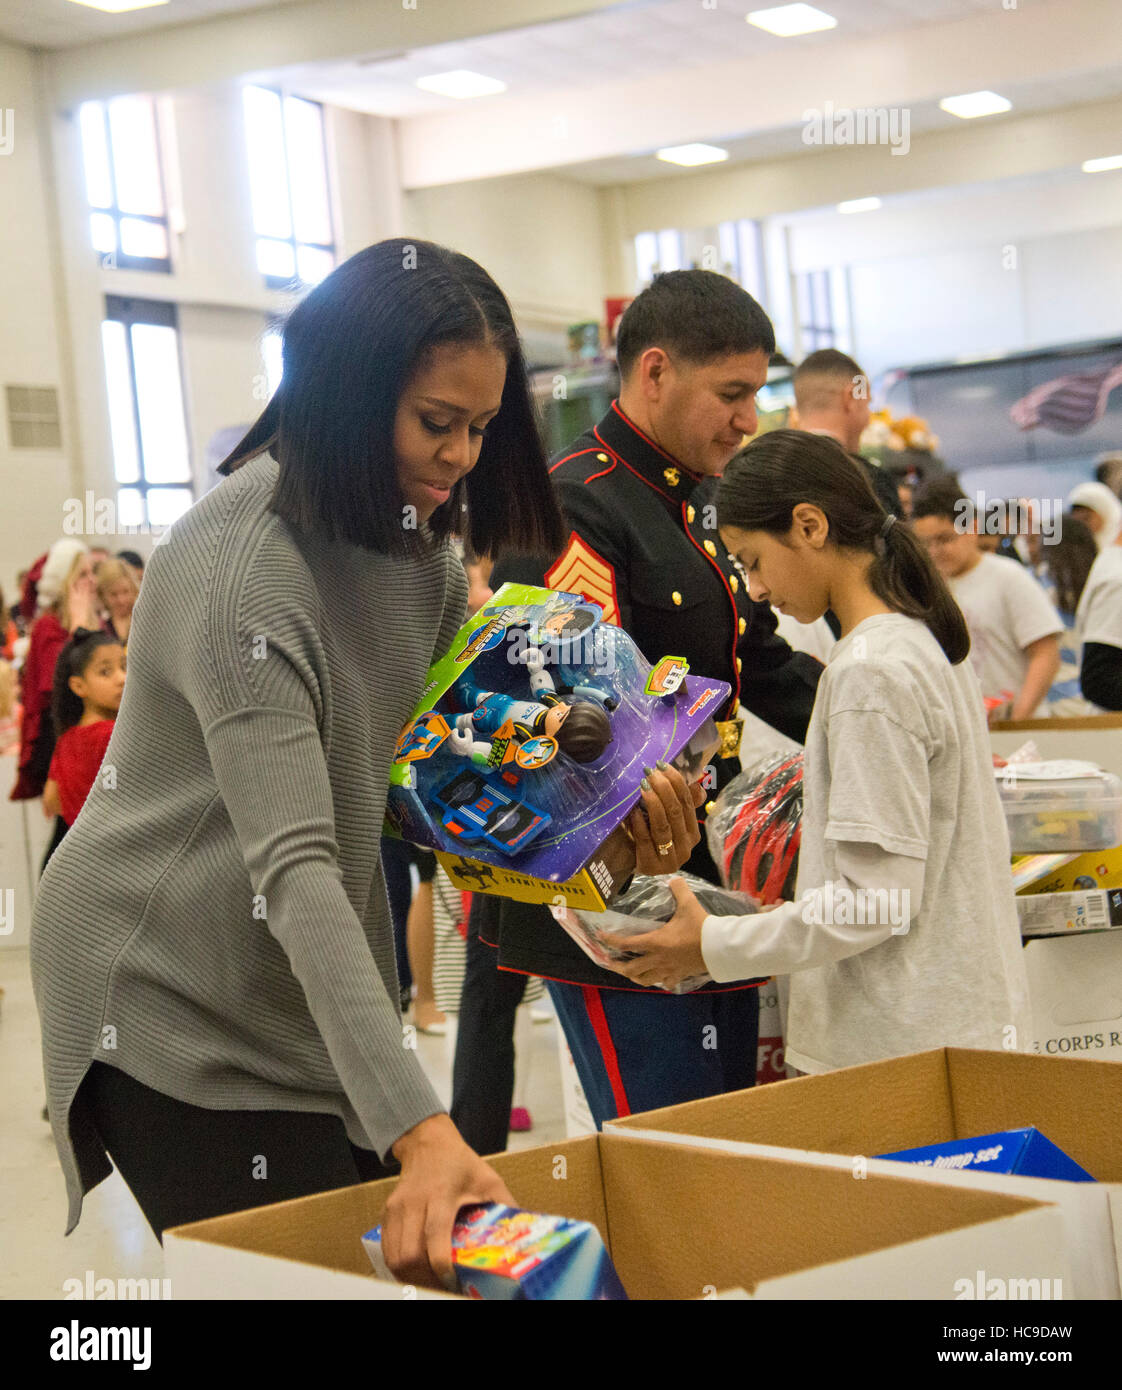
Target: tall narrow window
151	459
124	183
816	310
288	182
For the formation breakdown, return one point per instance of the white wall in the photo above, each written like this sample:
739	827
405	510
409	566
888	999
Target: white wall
539	236
36	482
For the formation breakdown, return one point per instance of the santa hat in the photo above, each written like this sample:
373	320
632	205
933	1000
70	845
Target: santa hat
60	559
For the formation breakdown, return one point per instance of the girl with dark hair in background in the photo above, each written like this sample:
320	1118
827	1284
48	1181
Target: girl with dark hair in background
245	965
89	681
904	935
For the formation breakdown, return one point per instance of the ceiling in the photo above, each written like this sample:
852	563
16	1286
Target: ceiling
63	24
627	41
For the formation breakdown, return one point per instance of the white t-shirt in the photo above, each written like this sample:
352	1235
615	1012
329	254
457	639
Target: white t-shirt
814	638
1099	615
1006	610
898	794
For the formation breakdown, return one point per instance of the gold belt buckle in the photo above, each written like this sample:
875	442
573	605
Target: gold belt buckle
731	732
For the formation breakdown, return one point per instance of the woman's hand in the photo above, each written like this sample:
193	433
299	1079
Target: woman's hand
666	957
439	1175
664	824
82	602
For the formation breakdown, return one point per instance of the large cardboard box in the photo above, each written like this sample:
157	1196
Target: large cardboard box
1075	987
680	1224
841	1118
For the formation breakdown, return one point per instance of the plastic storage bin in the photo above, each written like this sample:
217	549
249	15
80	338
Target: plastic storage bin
1048	811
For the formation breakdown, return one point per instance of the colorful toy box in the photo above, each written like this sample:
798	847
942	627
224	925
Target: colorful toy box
501	1252
529	743
1022	1151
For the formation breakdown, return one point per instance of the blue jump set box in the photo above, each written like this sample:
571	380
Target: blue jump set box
529	743
1023	1151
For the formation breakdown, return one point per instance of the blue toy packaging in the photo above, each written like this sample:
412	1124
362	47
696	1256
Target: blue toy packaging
528	745
1023	1151
500	1252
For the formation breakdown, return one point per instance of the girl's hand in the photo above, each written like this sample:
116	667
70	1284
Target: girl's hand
666	834
439	1175
666	957
82	602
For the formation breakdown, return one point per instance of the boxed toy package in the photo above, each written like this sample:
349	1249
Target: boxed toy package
529	743
755	827
1060	805
1023	1151
647	905
500	1252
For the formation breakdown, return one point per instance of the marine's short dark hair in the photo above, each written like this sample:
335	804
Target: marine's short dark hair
942	497
349	349
698	315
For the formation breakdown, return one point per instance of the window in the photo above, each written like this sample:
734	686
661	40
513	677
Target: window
288	181
816	311
151	460
731	248
124	183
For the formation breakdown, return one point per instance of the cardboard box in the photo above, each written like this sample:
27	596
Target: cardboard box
1067	914
840	1117
679	1224
1101	868
1075	987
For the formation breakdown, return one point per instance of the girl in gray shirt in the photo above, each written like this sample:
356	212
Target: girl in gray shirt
904	932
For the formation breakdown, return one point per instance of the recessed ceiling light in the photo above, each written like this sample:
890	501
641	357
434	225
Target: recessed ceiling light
1100	166
692	154
859	205
461	83
973	104
789	20
118	6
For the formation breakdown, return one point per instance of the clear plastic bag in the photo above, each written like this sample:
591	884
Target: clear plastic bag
755	828
647	905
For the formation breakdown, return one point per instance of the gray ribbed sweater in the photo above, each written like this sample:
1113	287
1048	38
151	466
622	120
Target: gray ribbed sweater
215	924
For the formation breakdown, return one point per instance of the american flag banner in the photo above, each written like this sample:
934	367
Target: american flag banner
1067	404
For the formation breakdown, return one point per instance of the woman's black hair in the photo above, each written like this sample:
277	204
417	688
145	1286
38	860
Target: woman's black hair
349	349
74	659
1069	559
766	481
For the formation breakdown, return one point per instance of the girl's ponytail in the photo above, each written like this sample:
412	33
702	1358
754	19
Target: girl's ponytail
768	479
903	576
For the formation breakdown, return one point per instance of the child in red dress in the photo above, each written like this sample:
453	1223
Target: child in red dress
89	680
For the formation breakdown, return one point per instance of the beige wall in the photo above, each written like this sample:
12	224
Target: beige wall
35	481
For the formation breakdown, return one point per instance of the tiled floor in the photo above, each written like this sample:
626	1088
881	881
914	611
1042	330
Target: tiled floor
113	1240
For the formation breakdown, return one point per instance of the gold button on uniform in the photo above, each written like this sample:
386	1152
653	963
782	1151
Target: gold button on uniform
710	548
738	665
709	805
690	514
677	597
601	458
734	583
741	625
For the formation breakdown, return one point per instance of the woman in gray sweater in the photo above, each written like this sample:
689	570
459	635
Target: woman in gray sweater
211	948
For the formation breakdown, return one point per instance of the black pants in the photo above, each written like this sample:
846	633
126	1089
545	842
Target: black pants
59	832
399	890
483	1070
183	1163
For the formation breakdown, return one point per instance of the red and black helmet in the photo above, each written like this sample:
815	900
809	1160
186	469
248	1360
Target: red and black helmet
761	848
